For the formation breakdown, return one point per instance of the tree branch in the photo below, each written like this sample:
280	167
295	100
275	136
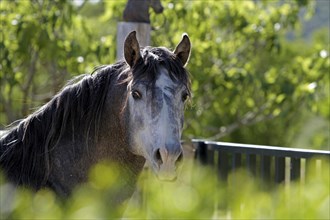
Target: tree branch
250	118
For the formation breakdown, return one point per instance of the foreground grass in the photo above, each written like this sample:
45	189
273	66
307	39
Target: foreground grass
198	194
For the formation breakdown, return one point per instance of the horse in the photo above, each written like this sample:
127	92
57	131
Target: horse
138	11
129	113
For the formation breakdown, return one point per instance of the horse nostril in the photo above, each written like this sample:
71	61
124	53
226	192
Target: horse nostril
158	157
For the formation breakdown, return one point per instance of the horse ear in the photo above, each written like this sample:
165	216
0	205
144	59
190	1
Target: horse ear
131	49
182	50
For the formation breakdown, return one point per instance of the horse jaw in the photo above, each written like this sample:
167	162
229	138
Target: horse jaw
156	122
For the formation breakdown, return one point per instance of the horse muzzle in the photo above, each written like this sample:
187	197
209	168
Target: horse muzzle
167	173
167	163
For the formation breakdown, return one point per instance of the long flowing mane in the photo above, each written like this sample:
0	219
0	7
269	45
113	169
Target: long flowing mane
74	113
25	148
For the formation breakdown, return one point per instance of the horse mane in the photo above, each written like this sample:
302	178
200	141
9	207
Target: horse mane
25	148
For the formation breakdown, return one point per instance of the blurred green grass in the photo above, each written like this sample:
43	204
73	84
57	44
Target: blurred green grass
198	194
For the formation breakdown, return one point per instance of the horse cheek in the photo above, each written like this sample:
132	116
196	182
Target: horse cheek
138	121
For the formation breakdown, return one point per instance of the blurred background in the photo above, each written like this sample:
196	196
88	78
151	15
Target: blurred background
259	69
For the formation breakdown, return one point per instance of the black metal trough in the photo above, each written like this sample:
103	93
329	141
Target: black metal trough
269	163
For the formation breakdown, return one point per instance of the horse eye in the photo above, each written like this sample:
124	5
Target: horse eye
136	95
185	97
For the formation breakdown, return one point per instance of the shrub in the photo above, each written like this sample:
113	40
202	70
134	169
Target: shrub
197	194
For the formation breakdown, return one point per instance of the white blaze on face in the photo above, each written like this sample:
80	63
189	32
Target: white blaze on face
156	121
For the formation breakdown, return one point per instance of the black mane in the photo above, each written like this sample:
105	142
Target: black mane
155	57
25	148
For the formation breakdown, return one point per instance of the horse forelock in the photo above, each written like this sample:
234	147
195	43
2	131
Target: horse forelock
155	58
148	68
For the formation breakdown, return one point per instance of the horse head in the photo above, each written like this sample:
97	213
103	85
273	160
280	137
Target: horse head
157	92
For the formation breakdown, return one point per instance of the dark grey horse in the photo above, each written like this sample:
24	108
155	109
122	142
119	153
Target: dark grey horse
127	113
138	10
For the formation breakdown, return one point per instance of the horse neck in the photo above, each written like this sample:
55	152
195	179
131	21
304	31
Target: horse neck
72	159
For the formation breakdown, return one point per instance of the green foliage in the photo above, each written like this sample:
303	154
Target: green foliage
245	72
44	45
198	194
250	82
